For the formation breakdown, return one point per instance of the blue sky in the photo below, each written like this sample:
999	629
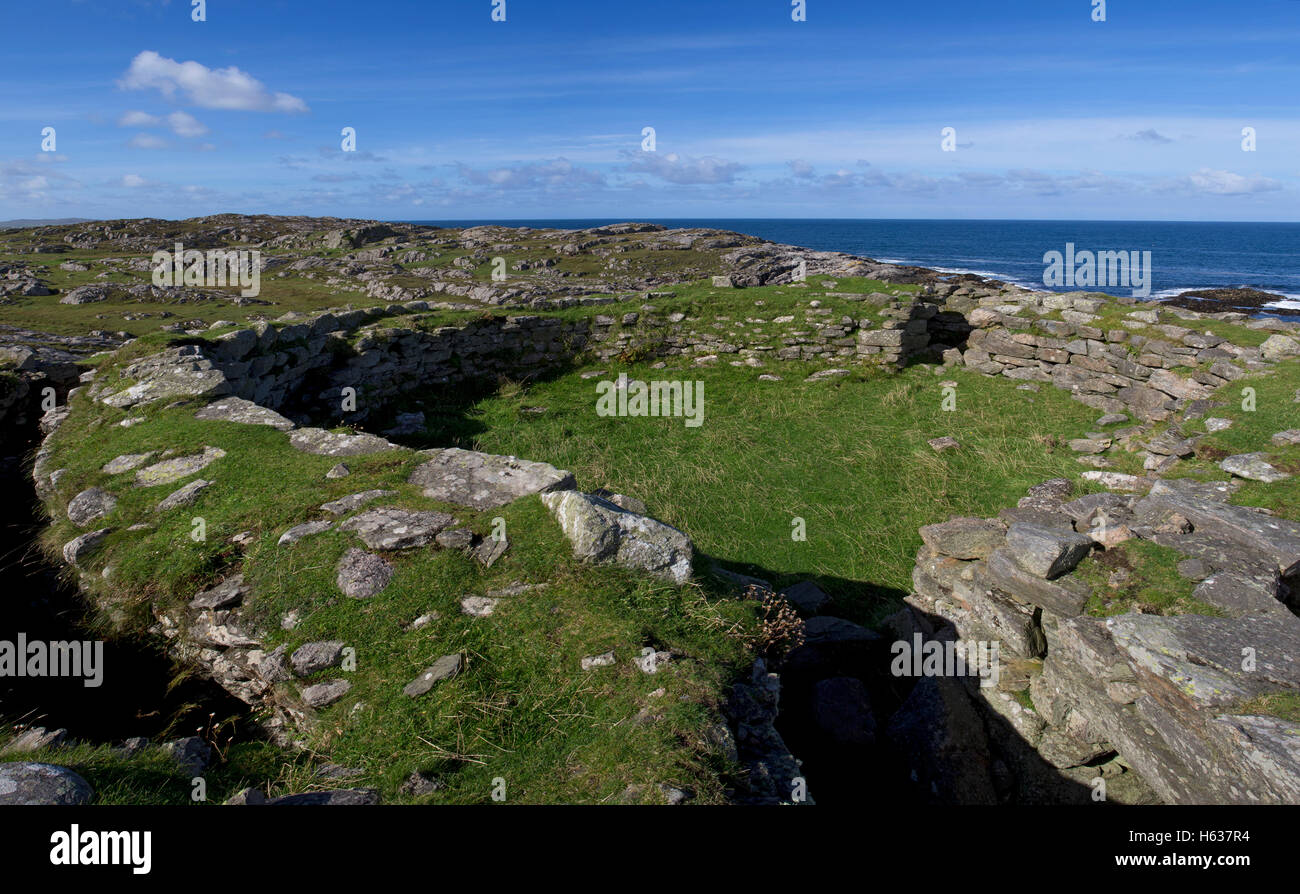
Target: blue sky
755	115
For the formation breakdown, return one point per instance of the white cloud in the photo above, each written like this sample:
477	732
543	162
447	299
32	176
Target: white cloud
133	180
184	124
559	172
138	119
208	88
1226	183
683	169
146	141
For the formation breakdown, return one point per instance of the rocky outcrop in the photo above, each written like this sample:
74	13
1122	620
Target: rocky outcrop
1164	696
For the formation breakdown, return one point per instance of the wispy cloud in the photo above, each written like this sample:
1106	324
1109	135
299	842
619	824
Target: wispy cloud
222	88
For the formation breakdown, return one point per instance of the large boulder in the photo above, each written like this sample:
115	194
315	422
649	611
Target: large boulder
603	532
23	782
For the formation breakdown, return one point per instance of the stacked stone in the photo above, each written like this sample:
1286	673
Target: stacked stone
1115	370
1161	695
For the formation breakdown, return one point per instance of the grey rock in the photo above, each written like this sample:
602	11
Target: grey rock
339	797
90	505
1046	552
1289	437
355	501
362	574
942	737
325	443
339	471
247	797
806	597
126	462
602	532
306	529
483	480
192	753
1275	538
605	659
1279	347
444	668
964	538
78	549
244	412
23	782
1254	467
229	593
170	470
311	658
390	528
324	694
184	496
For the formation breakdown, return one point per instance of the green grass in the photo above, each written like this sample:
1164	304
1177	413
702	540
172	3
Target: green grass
1283	705
153	777
849	457
1148	582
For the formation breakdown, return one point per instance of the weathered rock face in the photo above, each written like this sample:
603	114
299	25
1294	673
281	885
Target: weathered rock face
484	481
1166	696
172	374
601	531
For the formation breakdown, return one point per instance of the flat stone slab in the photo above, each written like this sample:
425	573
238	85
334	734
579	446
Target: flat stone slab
1275	538
484	480
324	694
310	658
245	412
227	594
170	470
362	574
1288	437
306	529
24	782
603	532
325	443
90	505
964	538
1254	467
126	462
355	501
444	668
184	496
388	527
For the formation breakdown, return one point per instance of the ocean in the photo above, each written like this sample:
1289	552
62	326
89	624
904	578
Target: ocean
1184	256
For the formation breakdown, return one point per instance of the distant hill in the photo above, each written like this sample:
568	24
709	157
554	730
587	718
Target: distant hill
23	222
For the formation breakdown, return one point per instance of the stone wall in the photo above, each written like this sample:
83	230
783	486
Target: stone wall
1159	695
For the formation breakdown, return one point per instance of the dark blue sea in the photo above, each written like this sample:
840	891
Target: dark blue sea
1184	256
